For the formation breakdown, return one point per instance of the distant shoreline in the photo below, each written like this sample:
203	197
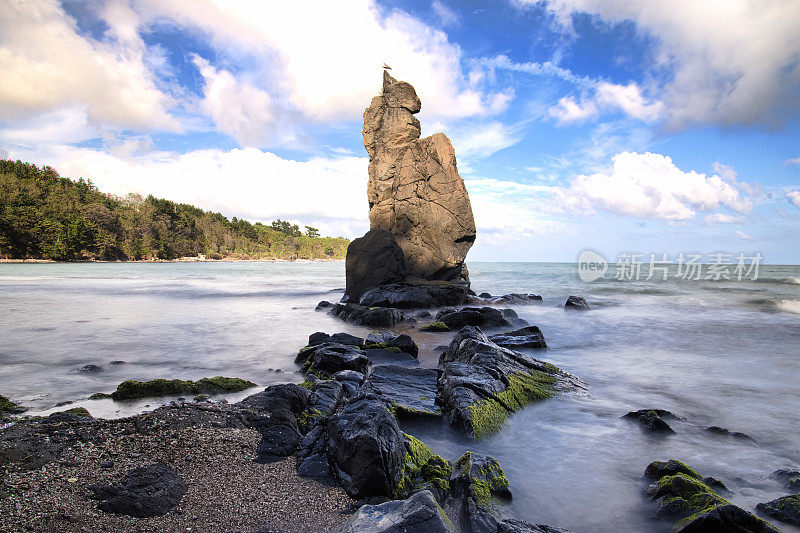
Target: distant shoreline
180	260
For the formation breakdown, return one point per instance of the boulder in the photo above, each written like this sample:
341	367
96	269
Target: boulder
414	189
372	260
376	317
684	497
485	317
577	303
326	397
365	447
480	484
652	420
275	412
410	391
420	294
516	299
144	492
518	526
482	383
419	513
341	338
724	432
328	358
527	337
389	340
389	356
786	509
350	380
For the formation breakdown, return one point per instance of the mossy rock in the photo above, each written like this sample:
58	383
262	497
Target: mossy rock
480	478
785	509
79	411
131	389
99	396
487	416
382	346
436	326
7	407
422	469
682	495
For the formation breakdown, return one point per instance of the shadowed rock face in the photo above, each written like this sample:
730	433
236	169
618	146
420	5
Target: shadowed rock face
414	189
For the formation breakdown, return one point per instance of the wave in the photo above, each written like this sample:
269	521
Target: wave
776	305
790	306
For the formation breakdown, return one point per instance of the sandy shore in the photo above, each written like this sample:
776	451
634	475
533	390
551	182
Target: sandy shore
227	490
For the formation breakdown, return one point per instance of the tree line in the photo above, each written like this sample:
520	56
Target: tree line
46	216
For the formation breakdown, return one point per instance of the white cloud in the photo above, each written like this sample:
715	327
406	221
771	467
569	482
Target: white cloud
722	218
607	97
744	236
727	62
47	66
479	140
795	161
651	186
324	58
794	198
447	16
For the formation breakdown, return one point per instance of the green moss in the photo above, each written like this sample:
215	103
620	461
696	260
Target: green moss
436	326
99	396
382	346
201	397
489	480
307	384
131	389
488	415
421	466
7	406
79	411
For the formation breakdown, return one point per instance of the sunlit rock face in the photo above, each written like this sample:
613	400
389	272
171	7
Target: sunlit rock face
414	189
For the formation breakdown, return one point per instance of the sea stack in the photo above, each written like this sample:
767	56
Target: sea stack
415	193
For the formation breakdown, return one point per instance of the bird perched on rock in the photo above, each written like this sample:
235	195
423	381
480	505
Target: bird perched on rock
387	67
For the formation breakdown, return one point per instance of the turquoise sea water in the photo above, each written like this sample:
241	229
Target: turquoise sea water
723	353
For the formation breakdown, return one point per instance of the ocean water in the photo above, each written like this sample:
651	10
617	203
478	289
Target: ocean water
724	353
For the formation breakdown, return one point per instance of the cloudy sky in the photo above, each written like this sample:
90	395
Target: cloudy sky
617	125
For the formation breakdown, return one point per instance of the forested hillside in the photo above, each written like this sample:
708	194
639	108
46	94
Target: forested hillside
46	216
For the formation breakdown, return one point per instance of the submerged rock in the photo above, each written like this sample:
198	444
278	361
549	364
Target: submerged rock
90	369
790	478
516	299
410	391
527	337
653	419
144	492
727	433
419	513
131	389
486	317
482	383
435	326
785	509
577	303
372	260
686	498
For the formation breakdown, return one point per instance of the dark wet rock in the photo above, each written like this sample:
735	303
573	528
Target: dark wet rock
90	369
341	338
131	389
117	363
485	317
324	304
389	356
790	478
482	383
410	391
517	299
480	484
350	380
360	315
144	492
683	496
372	260
365	448
275	416
419	513
726	519
312	455
576	303
415	295
328	358
7	407
527	337
323	402
389	340
785	509
727	433
652	420
484	295
423	314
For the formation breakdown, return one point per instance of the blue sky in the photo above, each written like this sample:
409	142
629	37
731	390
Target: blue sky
617	125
